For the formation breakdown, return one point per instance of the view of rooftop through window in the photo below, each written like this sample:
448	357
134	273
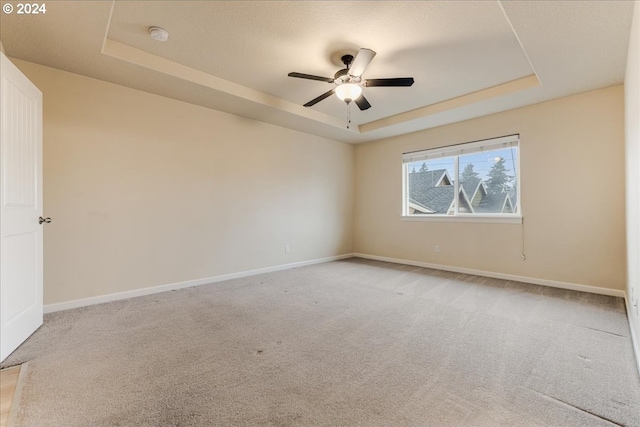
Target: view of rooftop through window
486	182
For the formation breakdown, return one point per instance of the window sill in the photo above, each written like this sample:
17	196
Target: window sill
496	219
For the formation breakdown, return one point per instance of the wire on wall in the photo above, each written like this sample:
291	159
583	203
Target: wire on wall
522	254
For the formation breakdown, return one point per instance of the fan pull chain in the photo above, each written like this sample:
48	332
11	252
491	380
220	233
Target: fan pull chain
348	115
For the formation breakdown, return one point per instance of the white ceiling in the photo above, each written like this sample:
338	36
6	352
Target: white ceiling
468	58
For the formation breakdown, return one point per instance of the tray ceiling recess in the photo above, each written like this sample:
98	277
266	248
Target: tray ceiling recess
467	59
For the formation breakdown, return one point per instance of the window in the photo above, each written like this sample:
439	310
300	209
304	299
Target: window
472	180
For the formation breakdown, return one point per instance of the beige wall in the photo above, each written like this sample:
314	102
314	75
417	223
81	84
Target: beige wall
146	191
632	136
572	183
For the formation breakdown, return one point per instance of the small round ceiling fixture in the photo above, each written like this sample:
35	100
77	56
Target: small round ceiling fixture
159	34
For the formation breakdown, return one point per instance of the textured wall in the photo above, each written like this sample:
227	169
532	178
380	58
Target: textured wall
146	191
572	183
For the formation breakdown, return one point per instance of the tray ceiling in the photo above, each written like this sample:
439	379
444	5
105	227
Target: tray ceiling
467	58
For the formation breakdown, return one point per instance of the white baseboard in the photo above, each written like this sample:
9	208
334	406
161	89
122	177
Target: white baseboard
533	280
635	338
66	305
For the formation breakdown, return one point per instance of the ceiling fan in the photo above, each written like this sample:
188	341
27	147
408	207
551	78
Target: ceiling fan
349	81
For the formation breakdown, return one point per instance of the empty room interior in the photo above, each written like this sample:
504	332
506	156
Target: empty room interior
320	213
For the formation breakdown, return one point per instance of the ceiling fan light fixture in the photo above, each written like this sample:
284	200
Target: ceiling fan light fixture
348	92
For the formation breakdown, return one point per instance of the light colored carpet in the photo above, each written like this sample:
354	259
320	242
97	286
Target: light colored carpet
346	343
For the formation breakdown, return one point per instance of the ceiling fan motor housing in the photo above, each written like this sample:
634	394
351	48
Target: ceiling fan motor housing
341	76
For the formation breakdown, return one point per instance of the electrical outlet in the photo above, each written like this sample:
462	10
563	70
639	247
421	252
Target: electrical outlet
437	249
286	249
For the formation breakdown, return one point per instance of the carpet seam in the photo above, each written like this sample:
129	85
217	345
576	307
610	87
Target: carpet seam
576	407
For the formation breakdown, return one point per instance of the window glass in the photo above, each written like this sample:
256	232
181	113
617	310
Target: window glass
479	178
431	187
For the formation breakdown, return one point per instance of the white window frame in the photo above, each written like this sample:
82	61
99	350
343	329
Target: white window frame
458	150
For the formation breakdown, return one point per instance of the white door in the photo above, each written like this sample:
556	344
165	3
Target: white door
20	207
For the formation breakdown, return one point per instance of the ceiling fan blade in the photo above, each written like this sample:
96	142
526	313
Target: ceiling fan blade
362	103
398	81
320	98
361	62
311	77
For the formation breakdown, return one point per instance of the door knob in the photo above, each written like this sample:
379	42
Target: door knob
45	220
